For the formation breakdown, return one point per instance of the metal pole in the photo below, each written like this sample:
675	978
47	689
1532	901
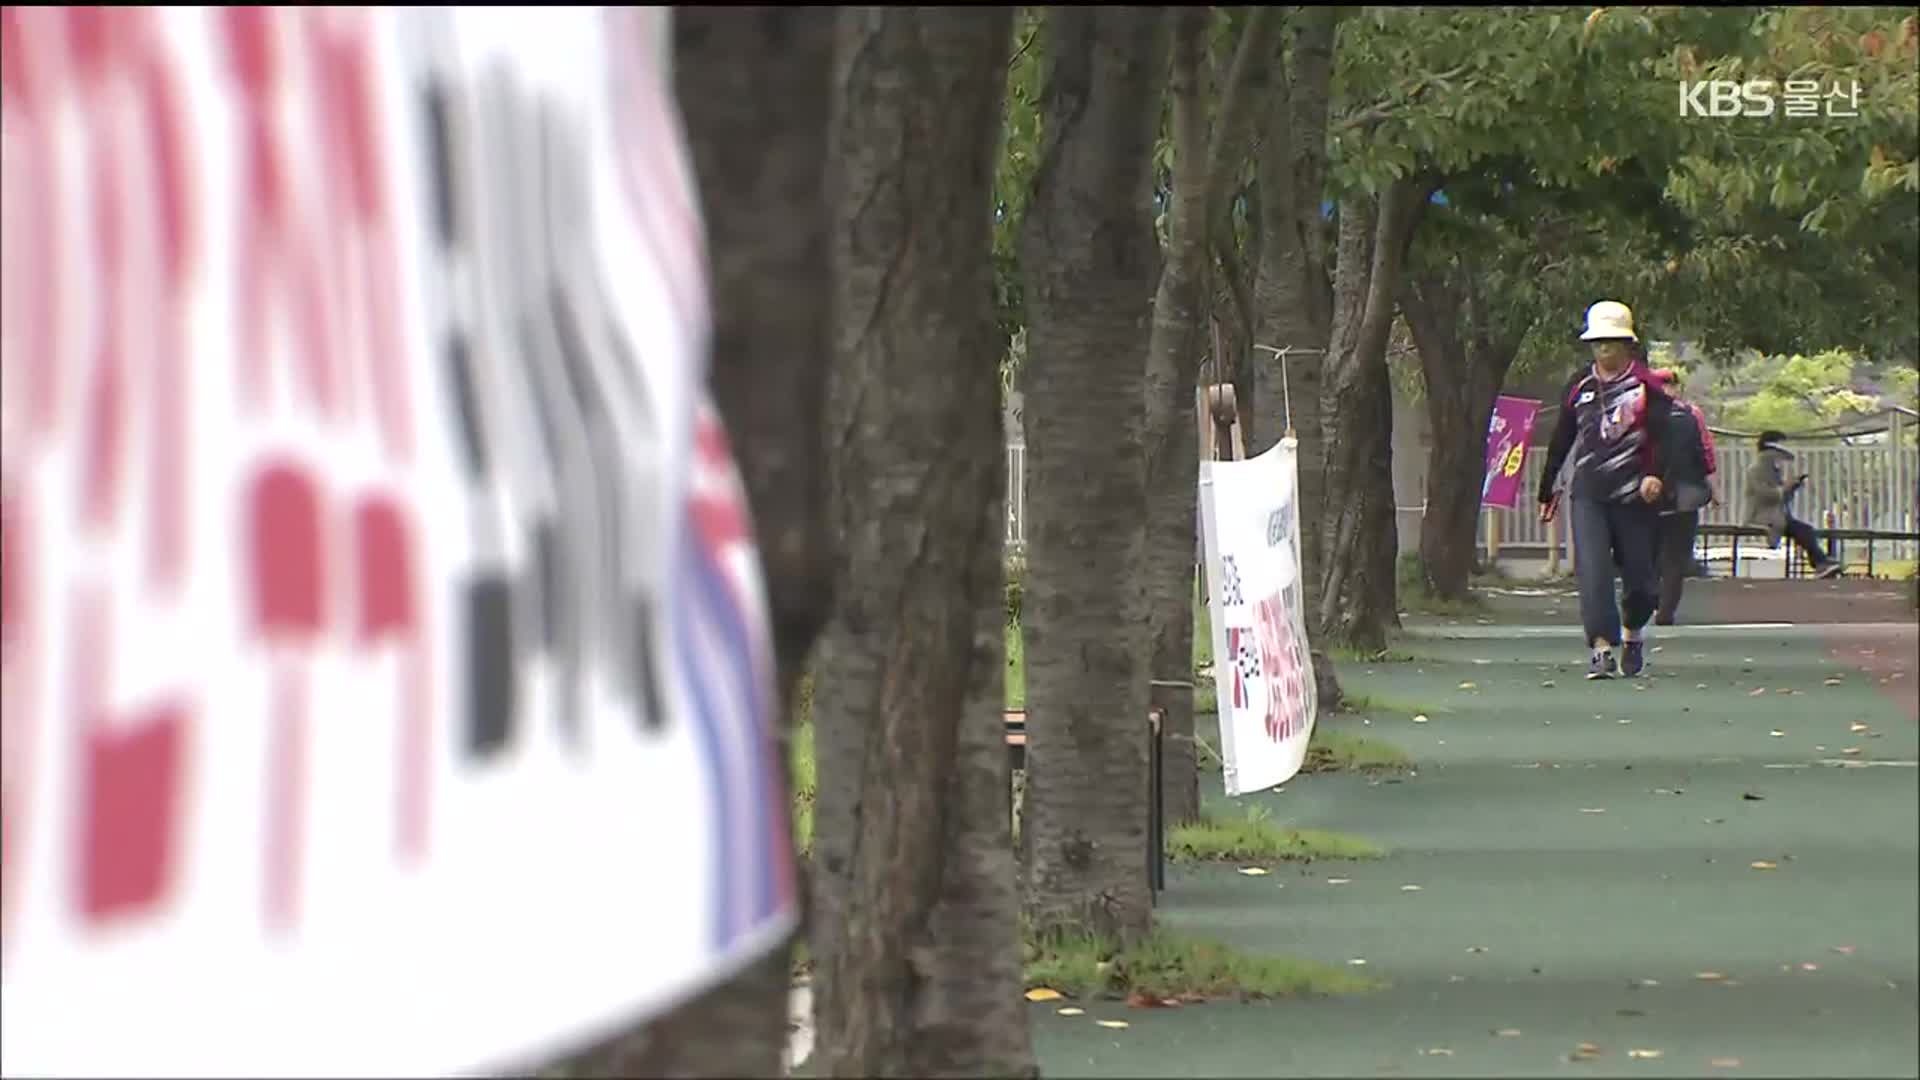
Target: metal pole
1156	821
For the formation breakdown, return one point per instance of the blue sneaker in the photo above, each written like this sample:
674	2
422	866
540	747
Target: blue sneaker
1633	658
1601	666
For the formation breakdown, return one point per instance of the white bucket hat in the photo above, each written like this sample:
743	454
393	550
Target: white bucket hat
1609	319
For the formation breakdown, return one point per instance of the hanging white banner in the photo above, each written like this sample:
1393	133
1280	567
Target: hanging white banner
387	673
1262	670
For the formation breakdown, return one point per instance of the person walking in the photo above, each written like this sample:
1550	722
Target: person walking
1692	464
1619	413
1770	499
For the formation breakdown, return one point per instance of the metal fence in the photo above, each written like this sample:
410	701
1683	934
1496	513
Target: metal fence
1861	487
1848	487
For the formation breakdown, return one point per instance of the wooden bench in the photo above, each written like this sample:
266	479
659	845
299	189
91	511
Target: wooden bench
1016	738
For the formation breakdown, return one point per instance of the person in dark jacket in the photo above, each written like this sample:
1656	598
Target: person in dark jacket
1619	411
1691	465
1770	499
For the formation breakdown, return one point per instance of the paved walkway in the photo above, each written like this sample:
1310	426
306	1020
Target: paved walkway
1585	856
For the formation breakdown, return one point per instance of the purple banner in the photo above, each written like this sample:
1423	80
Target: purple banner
1507	435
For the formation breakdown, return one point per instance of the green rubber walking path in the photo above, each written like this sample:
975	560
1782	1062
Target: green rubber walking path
1588	902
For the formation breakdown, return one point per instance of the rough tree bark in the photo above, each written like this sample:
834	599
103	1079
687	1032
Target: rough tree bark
916	929
1292	290
753	92
1292	298
1464	361
1089	256
1202	168
1173	363
1358	534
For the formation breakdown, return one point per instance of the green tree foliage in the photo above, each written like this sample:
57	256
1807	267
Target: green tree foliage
1806	229
1796	393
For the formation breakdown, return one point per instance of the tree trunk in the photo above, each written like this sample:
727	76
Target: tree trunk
917	940
1088	251
1291	297
1173	453
1463	363
1292	300
1204	168
1356	598
753	94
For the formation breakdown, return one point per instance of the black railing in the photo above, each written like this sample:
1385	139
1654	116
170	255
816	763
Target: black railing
1834	540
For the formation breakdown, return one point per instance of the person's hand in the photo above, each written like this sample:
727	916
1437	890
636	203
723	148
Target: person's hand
1548	509
1650	488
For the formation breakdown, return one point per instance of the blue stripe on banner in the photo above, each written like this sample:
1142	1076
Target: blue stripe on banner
717	597
717	658
708	736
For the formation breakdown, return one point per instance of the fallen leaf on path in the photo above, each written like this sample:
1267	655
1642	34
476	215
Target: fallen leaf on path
1041	993
1709	976
1758	693
1409	888
1468	686
1646	1055
1111	1023
1507	1033
1834	681
1725	1063
1809	967
1071	1011
1585	1052
1762	864
1253	871
1856	727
